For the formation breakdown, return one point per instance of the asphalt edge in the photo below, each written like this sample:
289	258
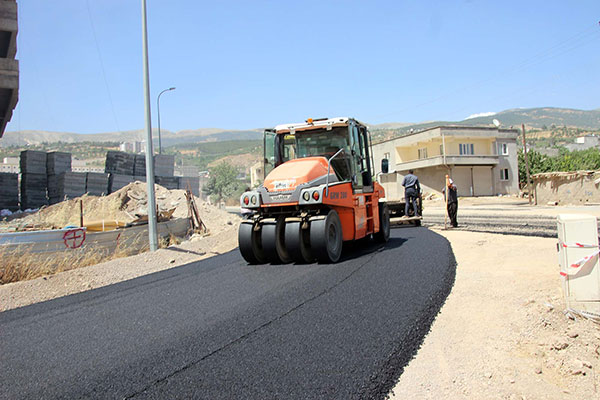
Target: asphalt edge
381	384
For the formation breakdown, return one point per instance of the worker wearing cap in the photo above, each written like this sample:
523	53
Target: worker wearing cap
412	188
452	203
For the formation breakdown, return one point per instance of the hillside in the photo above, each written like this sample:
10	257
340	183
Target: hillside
543	118
24	138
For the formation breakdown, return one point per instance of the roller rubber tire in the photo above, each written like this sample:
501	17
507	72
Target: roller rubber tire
272	237
297	242
326	238
250	244
384	224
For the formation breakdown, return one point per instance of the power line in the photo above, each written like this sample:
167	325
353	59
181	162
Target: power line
576	41
112	106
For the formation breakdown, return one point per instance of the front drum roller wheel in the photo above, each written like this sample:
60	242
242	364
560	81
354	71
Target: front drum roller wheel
326	238
272	238
250	244
297	242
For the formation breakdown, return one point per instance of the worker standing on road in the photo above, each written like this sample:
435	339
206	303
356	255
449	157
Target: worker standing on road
412	188
452	202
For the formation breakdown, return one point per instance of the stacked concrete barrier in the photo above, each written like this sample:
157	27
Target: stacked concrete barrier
164	165
66	185
118	181
193	182
58	162
120	163
96	183
139	168
169	182
34	181
9	195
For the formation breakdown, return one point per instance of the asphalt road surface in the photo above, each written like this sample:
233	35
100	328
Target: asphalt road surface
220	329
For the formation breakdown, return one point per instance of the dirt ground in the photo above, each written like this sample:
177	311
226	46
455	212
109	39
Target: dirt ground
502	333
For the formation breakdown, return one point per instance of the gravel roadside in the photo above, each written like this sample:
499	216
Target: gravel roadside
502	333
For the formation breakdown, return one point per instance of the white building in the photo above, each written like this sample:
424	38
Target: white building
481	160
133	147
81	166
10	165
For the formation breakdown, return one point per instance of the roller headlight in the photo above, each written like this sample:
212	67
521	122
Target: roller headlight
306	196
253	199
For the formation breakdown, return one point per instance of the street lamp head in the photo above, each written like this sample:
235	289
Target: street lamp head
172	88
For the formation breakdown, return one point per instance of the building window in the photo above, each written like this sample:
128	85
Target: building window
441	149
504	174
466	149
504	149
423	153
386	156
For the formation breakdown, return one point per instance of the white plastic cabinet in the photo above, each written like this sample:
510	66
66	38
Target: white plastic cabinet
577	239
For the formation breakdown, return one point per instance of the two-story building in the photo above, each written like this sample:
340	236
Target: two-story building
482	161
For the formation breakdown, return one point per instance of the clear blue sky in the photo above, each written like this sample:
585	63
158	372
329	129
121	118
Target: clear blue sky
253	64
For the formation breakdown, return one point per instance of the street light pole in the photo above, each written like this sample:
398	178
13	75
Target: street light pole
152	227
158	112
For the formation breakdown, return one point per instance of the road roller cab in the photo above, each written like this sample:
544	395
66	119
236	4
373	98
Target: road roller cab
318	192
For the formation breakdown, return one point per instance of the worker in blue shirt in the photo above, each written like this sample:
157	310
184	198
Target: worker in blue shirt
412	188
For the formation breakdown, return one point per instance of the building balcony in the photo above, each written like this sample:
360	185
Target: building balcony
490	160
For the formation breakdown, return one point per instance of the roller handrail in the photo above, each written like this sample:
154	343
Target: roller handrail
329	169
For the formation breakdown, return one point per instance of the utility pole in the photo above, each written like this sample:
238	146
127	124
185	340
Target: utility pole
526	163
152	228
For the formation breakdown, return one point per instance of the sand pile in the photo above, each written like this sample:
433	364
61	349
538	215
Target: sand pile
127	205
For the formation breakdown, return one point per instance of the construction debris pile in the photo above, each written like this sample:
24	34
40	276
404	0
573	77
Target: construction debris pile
127	205
47	178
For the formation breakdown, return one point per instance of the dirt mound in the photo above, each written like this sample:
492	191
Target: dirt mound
126	205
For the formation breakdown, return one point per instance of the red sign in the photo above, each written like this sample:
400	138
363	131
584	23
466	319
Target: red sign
74	238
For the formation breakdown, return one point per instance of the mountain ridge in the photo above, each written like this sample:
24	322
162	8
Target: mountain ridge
538	118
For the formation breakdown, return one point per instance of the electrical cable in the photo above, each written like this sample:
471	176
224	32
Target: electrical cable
112	106
558	49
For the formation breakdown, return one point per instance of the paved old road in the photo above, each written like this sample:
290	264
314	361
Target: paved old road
222	329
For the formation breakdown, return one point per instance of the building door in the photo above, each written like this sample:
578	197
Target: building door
483	184
462	179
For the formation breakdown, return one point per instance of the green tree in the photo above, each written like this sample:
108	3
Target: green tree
565	161
223	182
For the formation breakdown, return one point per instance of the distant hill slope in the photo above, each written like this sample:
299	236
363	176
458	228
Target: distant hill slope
540	117
168	138
531	117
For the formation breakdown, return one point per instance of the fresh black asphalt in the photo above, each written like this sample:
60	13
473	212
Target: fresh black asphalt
221	329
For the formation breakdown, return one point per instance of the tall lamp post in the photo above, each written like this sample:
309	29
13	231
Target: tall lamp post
158	113
152	227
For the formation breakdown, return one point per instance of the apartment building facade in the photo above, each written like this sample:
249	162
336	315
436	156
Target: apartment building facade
481	160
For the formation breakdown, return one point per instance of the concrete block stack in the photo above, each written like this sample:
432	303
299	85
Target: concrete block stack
169	182
66	185
9	195
194	184
118	181
139	168
120	163
96	183
125	168
34	179
58	162
164	165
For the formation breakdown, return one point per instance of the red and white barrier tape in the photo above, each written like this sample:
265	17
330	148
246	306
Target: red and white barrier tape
575	267
578	245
